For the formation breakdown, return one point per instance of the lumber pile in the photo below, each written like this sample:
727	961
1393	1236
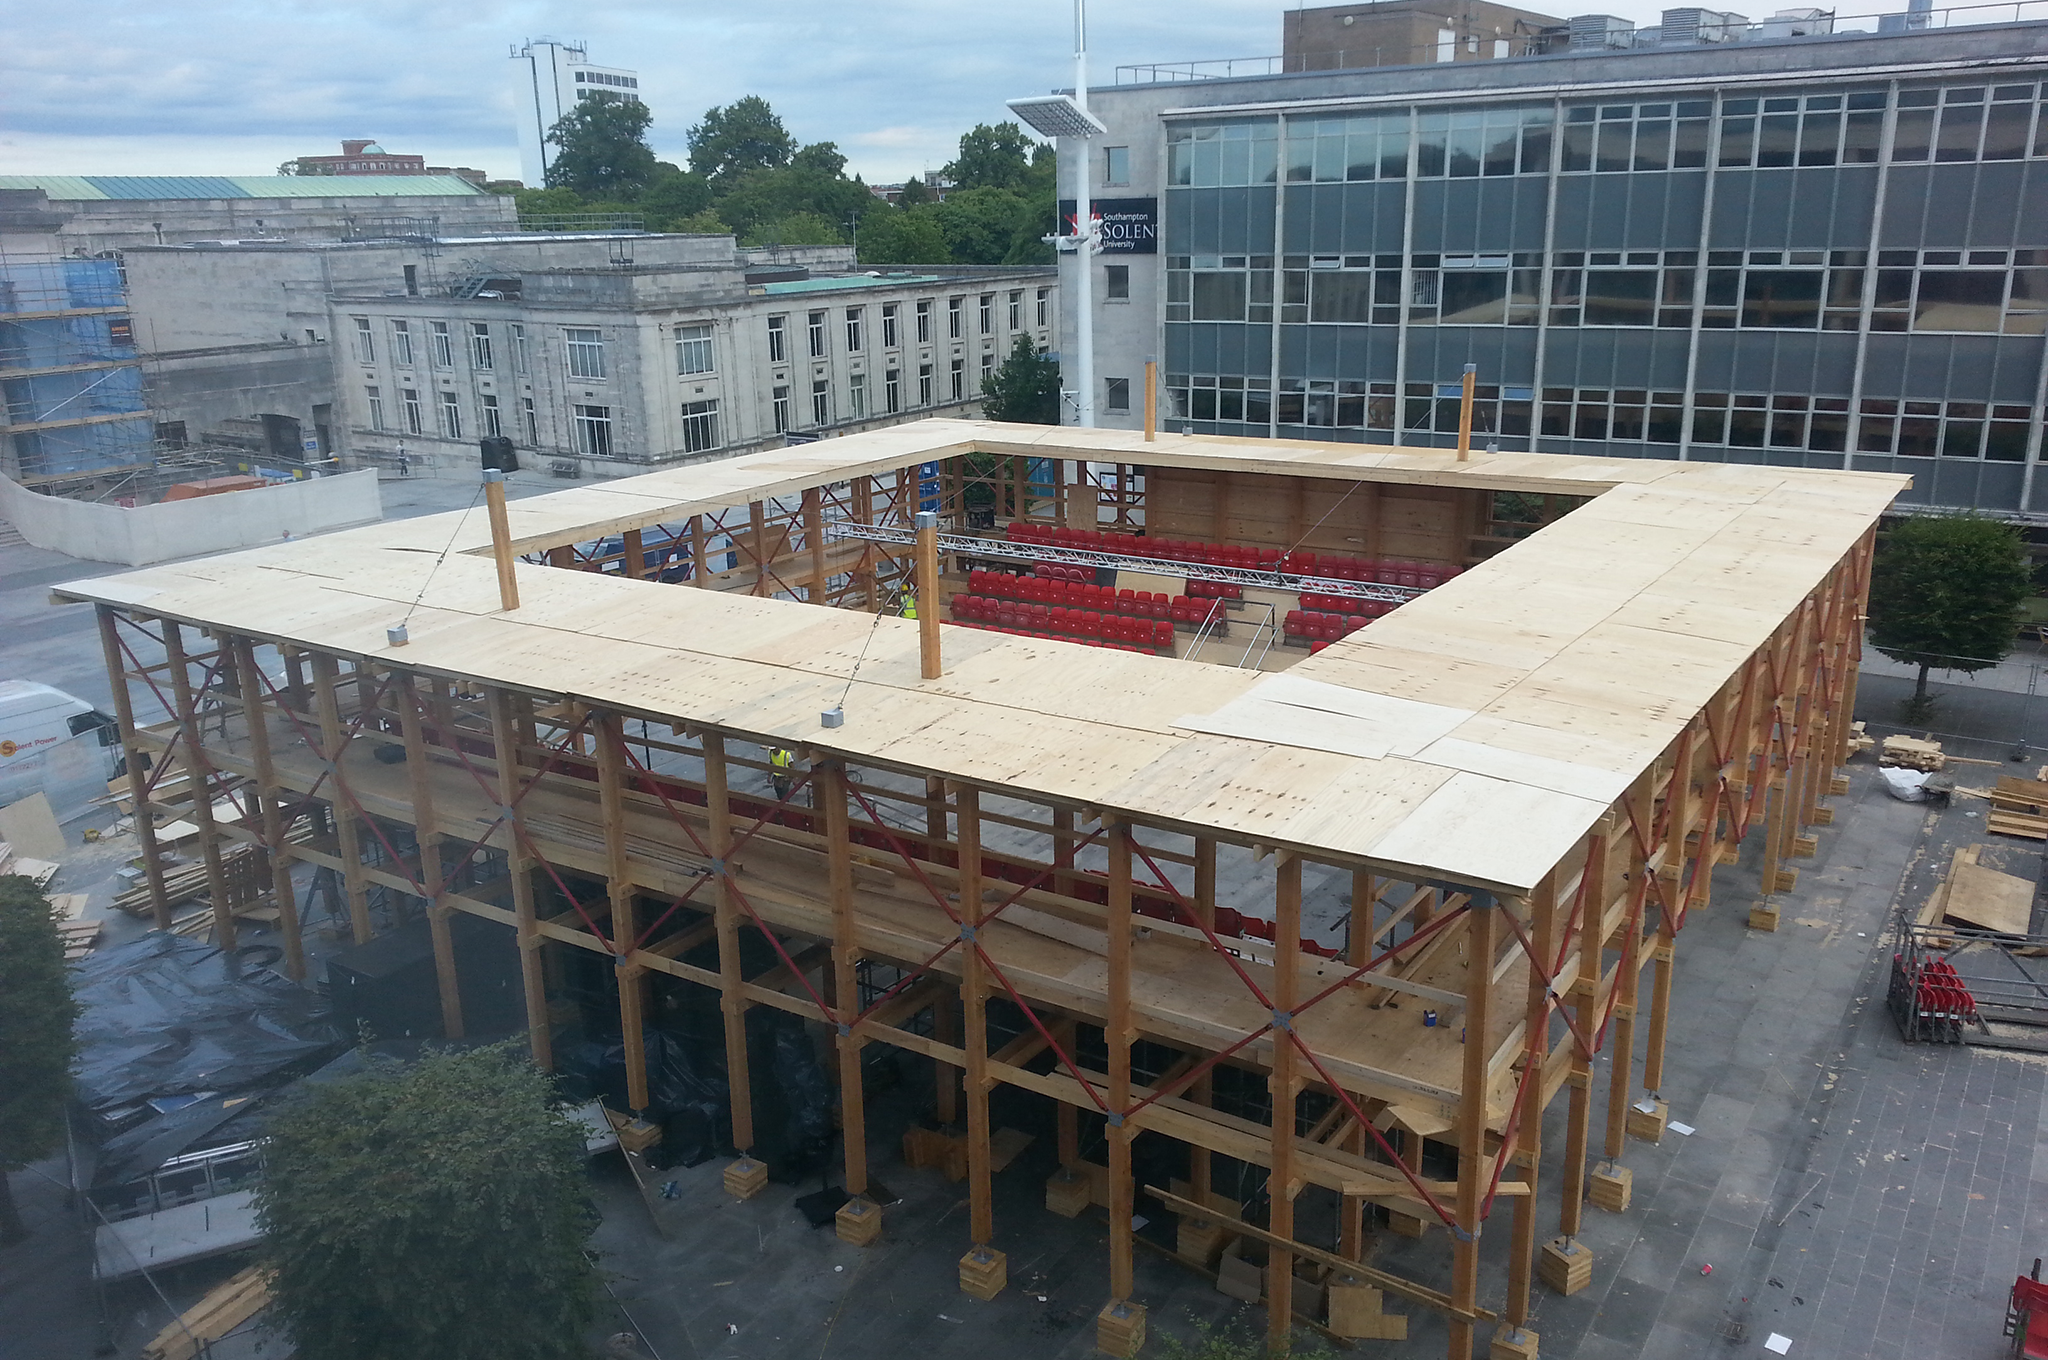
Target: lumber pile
1978	897
2019	807
40	870
1910	753
79	935
225	1308
1859	740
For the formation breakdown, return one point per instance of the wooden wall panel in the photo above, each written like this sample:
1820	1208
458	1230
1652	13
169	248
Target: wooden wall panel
1357	519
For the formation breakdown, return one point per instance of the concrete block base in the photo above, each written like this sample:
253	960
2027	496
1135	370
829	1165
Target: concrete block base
1066	1194
858	1221
1611	1187
746	1178
984	1272
1120	1329
1565	1265
1512	1343
1647	1126
1763	916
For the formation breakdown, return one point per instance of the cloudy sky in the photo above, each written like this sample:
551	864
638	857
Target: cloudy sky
237	86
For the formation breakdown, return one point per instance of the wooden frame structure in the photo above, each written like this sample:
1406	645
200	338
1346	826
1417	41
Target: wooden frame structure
1526	777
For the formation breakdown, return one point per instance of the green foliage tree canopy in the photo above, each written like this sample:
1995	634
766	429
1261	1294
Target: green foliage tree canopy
743	135
992	157
899	236
434	1209
1025	389
36	1047
1946	591
914	192
602	148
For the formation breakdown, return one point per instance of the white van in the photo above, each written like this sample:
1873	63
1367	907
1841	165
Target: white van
56	744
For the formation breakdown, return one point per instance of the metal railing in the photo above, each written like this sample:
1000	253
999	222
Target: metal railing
1559	42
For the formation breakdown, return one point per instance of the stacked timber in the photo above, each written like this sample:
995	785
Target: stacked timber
2019	807
227	1307
1910	753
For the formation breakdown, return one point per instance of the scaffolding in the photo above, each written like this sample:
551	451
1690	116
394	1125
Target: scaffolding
69	372
1527	776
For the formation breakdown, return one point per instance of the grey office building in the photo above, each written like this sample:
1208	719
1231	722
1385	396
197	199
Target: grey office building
1822	251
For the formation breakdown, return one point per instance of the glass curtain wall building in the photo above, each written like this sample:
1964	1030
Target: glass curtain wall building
1818	252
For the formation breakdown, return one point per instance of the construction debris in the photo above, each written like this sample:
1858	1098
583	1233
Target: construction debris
227	1307
1911	753
2019	807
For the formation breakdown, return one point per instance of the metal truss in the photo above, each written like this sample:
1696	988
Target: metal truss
967	545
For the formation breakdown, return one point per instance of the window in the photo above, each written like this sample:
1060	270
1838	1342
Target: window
892	394
817	334
778	345
924	321
586	353
987	314
375	397
412	280
693	350
856	327
1220	155
857	395
1118	394
700	426
494	424
1044	307
1221	289
924	384
821	401
411	401
520	353
781	407
1116	165
480	346
1017	310
1116	282
532	420
957	383
401	344
366	341
1787	130
1956	429
890	338
594	431
954	308
988	371
443	344
451	416
1365	147
1250	400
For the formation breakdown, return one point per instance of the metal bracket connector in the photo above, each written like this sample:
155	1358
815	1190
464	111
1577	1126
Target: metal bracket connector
967	933
845	1030
1283	1020
1116	1120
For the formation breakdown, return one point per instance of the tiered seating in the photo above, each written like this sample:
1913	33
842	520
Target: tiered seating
1382	571
1312	627
1346	604
1029	619
1040	589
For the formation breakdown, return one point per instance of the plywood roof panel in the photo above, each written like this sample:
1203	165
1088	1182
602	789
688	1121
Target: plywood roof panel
1471	735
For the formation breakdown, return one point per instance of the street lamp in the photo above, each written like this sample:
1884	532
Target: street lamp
1058	116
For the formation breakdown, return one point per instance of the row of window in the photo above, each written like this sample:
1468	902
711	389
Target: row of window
854	324
440	342
891	398
1912	429
1948	291
1955	123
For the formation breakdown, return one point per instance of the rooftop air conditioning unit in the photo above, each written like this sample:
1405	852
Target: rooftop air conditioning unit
1692	25
1600	32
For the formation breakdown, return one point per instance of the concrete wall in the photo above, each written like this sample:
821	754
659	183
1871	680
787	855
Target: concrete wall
206	389
158	533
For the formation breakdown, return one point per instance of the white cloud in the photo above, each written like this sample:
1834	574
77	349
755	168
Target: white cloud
229	86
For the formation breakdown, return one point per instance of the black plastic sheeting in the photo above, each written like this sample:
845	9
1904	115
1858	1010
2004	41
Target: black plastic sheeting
688	1094
164	1016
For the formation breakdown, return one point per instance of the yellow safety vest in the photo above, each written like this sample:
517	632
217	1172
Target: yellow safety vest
909	604
781	759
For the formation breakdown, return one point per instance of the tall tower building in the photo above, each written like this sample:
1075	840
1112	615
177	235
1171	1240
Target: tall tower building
548	77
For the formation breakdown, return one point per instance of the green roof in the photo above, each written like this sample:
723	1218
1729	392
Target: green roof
848	281
87	188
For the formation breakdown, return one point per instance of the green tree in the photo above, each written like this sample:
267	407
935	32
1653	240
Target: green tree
743	135
914	192
992	157
602	148
897	236
1025	389
1946	591
798	229
759	197
822	157
431	1209
981	226
36	1047
674	197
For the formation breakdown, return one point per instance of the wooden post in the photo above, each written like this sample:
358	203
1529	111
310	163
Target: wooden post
814	538
1627	978
928	595
700	554
1062	850
974	999
427	829
348	839
831	778
501	538
1465	414
199	771
124	713
945	1076
248	681
1584	992
864	568
519	868
1201	1164
1536	1048
632	978
1280	1185
726	919
1151	398
757	534
636	554
1117	1036
1472	1169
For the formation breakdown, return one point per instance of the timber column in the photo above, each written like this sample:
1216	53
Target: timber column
983	1270
1120	1326
860	1220
747	1176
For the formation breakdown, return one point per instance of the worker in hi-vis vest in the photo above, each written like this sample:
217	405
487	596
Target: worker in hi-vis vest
909	602
781	763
